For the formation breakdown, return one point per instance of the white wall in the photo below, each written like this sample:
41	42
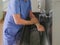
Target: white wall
1	16
56	22
5	4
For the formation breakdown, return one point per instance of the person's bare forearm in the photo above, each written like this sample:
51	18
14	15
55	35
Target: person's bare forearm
24	22
31	14
19	21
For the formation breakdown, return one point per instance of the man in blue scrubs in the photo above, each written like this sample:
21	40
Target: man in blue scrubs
18	11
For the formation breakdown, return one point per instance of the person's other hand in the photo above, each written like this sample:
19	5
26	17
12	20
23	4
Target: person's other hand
40	27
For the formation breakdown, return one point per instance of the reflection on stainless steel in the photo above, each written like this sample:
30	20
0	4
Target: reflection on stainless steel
42	38
46	20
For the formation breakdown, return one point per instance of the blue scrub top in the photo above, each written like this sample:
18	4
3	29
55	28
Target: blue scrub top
15	7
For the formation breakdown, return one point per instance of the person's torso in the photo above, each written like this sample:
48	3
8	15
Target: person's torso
9	21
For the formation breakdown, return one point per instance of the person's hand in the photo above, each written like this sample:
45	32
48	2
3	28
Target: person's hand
34	20
40	27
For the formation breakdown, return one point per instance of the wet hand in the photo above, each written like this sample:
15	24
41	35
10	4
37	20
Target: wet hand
40	28
34	20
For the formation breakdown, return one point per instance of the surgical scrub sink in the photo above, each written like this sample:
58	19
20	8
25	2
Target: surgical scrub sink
34	37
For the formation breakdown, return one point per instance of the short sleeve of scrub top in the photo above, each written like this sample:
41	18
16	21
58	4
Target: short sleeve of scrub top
15	6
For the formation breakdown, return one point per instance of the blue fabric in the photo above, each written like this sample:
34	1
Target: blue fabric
10	29
15	7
